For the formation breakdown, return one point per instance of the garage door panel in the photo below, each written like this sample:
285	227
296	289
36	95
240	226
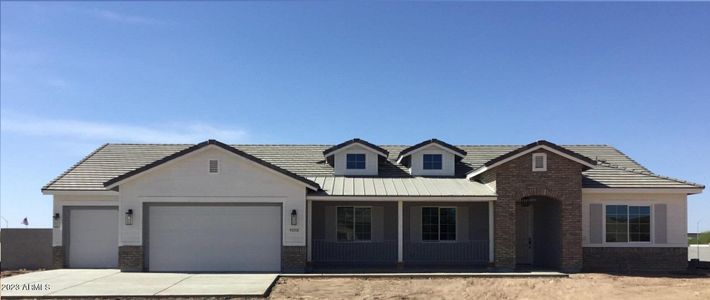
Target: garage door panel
214	238
93	238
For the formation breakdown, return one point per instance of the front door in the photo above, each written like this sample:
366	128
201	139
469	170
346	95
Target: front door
524	236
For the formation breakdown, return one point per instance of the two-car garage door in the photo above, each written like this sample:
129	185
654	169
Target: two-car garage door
213	238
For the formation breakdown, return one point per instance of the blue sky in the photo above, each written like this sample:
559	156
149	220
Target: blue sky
77	75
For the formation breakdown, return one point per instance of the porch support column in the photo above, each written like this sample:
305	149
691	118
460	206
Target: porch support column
400	244
491	233
309	229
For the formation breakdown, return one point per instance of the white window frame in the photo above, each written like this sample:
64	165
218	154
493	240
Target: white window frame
544	162
438	211
209	166
336	223
652	229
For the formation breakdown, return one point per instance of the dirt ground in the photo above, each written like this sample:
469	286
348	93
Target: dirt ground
13	272
578	286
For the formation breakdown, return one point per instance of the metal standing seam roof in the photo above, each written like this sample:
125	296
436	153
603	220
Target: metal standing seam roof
614	169
399	187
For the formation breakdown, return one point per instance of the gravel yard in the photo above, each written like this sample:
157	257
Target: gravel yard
579	286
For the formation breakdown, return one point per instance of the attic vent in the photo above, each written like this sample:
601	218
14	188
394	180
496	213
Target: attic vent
214	166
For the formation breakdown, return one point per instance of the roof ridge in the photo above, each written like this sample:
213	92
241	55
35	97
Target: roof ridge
149	144
649	173
46	186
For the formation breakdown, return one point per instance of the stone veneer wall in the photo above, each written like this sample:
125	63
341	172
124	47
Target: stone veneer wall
635	259
562	181
58	257
130	258
293	259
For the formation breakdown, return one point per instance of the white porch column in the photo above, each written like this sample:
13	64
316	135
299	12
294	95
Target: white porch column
400	245
491	233
309	238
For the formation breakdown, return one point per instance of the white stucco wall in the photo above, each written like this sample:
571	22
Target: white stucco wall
187	179
60	201
447	162
371	161
676	216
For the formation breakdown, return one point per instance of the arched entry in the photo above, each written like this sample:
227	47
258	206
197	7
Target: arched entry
538	240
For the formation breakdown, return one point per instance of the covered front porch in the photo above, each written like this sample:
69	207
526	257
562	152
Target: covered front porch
442	233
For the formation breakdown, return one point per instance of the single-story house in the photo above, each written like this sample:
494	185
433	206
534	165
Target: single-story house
213	207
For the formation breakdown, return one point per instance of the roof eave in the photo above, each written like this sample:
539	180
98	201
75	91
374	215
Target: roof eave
644	190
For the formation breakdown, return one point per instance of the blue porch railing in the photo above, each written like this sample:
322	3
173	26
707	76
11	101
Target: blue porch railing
379	252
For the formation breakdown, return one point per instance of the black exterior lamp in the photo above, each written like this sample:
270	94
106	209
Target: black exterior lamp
294	217
56	220
129	217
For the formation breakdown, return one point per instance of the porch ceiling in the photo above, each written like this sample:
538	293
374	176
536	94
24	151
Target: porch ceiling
401	187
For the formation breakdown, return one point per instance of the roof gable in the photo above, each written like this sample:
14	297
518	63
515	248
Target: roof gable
116	180
444	146
342	146
541	144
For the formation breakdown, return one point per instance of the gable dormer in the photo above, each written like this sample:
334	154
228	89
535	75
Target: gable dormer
431	158
355	157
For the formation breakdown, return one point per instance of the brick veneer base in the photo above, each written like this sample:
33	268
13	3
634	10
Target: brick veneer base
130	258
637	259
293	259
58	257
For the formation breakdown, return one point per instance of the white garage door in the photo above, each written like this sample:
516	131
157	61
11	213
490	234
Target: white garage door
93	238
214	238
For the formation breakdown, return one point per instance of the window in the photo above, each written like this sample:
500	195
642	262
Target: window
214	166
539	162
438	223
640	223
354	223
432	161
355	161
628	223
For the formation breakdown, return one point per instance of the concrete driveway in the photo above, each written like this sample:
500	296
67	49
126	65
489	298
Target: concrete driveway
111	282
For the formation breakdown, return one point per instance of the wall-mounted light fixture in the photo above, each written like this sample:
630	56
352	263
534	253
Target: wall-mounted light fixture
294	217
129	217
56	220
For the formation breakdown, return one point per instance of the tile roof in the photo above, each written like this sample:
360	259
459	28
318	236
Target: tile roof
109	161
196	147
535	145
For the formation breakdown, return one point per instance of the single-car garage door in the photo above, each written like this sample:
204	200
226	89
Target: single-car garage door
92	237
214	238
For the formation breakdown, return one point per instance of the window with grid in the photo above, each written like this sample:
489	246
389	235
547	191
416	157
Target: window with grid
354	223
432	162
355	161
628	223
616	223
438	223
639	223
